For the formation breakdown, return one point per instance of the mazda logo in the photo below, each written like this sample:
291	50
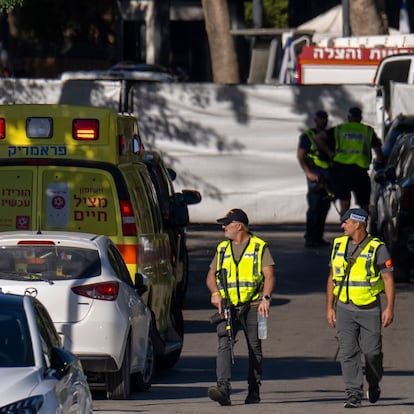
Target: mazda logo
31	291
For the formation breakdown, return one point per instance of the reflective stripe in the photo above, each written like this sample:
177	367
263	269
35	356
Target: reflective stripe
241	284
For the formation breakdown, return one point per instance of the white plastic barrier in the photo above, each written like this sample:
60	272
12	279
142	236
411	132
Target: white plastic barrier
235	144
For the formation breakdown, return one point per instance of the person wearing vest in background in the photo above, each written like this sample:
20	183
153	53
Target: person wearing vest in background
360	270
248	266
353	143
316	167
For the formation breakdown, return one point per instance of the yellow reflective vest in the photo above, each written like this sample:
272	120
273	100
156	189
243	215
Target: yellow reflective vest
353	144
364	281
244	278
314	153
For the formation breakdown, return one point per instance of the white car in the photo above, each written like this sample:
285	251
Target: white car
85	285
36	374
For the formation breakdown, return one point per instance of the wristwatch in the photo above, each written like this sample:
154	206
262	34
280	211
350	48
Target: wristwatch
267	298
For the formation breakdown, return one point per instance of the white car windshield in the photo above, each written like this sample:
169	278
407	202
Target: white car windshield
38	262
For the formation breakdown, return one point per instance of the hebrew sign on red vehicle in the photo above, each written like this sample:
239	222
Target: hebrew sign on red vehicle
325	58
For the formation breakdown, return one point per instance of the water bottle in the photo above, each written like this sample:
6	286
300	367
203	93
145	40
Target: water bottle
261	326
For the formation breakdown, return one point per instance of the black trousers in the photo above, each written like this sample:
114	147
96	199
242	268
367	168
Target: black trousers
318	208
247	321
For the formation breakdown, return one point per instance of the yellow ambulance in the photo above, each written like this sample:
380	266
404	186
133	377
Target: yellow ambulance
76	168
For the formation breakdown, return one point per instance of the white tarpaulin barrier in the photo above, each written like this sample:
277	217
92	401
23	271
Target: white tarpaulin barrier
235	144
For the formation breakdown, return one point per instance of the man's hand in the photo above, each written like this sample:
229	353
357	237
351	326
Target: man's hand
331	317
387	317
264	307
312	177
217	301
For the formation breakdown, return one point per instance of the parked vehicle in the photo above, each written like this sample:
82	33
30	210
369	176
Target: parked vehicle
85	285
400	124
130	71
77	168
37	375
315	58
175	215
393	212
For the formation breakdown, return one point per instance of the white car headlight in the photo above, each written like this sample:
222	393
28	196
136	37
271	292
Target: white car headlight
29	405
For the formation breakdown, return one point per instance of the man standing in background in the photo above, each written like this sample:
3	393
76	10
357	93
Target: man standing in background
352	143
315	165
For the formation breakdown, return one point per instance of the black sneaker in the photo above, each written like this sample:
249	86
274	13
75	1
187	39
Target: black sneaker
220	393
374	392
253	397
352	402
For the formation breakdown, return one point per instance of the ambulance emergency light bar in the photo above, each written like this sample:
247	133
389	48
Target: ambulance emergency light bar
42	127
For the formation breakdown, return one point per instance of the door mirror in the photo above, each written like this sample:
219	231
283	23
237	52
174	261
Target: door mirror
61	361
191	196
141	283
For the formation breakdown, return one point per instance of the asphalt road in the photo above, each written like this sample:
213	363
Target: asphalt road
300	373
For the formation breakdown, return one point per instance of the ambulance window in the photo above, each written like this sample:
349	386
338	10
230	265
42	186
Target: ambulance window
155	207
118	265
394	71
143	206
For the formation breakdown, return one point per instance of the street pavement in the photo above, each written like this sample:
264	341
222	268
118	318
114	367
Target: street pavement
300	372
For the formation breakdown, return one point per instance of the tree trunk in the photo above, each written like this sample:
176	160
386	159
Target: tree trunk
367	17
221	42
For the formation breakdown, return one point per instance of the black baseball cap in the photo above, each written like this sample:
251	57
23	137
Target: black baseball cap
235	214
358	214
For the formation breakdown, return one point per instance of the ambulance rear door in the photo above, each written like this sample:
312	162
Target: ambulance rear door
64	198
79	199
18	185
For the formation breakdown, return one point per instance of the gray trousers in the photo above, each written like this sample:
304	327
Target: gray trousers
359	334
248	322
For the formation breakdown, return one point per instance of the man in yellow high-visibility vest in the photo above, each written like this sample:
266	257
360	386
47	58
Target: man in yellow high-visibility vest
315	164
360	271
352	143
241	281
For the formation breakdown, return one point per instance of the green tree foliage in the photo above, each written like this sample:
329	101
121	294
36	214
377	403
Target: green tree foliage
9	5
275	13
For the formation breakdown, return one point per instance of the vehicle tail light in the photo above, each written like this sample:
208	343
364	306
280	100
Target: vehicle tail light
128	218
2	128
85	129
122	145
37	242
100	291
407	199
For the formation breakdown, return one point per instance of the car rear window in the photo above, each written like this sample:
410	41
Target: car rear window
29	262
